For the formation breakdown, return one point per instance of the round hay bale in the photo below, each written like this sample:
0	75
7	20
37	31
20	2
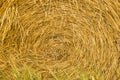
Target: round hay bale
59	39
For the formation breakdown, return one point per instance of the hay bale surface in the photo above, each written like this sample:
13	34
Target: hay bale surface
59	40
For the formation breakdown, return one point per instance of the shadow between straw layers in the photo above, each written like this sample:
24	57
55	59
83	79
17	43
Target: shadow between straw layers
59	40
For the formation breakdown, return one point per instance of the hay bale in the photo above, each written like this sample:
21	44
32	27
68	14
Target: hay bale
59	39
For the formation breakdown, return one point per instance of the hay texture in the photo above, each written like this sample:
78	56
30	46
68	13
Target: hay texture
59	39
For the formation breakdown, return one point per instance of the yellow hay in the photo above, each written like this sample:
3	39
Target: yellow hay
59	40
